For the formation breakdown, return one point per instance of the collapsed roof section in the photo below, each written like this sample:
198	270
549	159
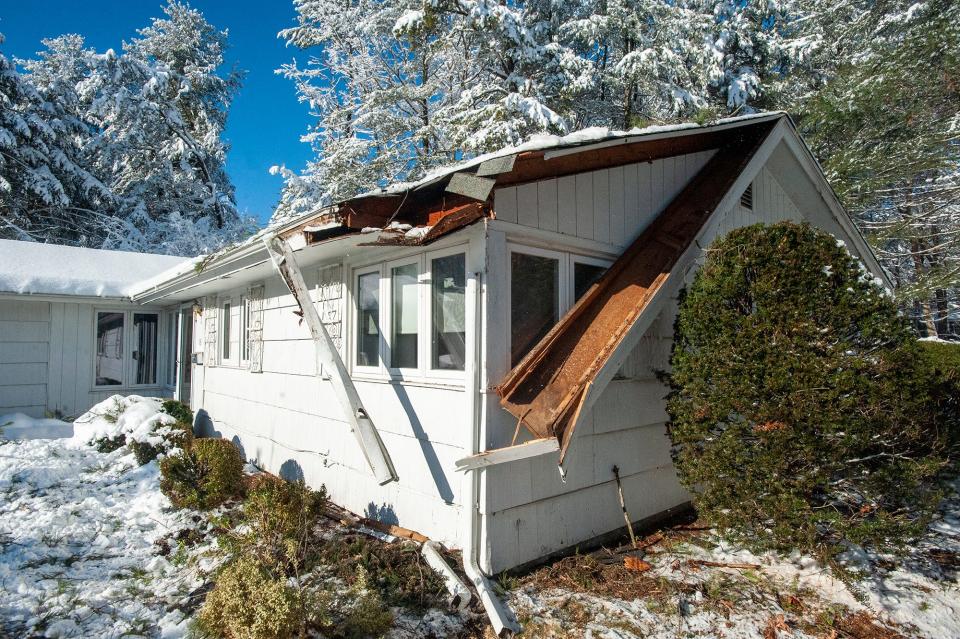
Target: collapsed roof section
547	389
450	199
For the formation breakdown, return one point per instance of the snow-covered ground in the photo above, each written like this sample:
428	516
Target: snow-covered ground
77	545
745	595
89	547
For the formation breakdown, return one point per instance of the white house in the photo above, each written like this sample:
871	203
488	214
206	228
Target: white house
69	334
479	349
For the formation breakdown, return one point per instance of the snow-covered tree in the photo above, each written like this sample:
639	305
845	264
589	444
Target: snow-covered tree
45	191
887	128
400	86
147	126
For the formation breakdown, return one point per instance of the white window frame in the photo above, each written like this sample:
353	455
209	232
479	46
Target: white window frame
566	294
427	320
423	373
127	369
354	342
243	346
226	355
386	319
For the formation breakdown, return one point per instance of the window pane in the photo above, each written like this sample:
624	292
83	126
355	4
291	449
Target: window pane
585	276
534	301
171	349
109	349
245	330
225	333
449	276
368	319
403	320
145	344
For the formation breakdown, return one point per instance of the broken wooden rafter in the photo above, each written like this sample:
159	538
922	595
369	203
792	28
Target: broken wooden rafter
329	358
534	448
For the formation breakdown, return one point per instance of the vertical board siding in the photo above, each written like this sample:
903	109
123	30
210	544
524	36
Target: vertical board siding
611	206
530	510
566	205
24	353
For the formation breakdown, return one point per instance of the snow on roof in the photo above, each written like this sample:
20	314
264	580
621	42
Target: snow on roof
51	269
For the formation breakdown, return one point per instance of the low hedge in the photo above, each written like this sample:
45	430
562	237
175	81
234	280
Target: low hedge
204	476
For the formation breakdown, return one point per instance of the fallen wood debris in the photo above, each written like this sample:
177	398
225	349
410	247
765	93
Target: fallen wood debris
721	564
635	563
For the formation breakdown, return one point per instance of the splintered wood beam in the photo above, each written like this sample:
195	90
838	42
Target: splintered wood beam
327	355
534	448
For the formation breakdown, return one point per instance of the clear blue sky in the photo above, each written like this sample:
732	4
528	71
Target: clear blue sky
266	119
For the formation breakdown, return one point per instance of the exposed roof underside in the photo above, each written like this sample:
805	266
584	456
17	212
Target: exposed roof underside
547	389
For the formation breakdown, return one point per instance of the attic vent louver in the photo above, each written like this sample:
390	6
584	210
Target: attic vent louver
746	199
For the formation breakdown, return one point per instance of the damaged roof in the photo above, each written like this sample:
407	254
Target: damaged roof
548	388
451	198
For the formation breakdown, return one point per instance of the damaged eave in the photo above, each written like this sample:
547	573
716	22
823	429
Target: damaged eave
439	224
549	388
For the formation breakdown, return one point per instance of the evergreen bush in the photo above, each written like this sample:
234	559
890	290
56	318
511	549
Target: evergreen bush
178	410
248	601
166	437
281	516
802	412
205	476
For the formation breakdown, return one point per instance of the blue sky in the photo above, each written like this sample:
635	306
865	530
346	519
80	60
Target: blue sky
266	119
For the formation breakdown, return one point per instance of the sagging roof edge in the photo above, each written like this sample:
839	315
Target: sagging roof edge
335	214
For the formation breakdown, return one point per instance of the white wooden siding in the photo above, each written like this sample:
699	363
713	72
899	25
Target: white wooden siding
611	206
288	420
530	510
24	349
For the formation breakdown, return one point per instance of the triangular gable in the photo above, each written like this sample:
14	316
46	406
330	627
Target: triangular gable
551	386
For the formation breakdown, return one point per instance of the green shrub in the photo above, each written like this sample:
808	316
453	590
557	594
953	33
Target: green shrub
249	602
206	475
367	616
178	435
109	444
179	411
281	515
802	413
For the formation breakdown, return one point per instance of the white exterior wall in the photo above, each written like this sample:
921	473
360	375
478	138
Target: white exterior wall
288	420
609	206
24	352
47	357
530	511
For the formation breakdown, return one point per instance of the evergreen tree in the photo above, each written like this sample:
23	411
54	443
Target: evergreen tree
144	127
46	193
803	412
885	127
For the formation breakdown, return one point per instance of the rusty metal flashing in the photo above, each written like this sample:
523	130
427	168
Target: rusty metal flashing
546	390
